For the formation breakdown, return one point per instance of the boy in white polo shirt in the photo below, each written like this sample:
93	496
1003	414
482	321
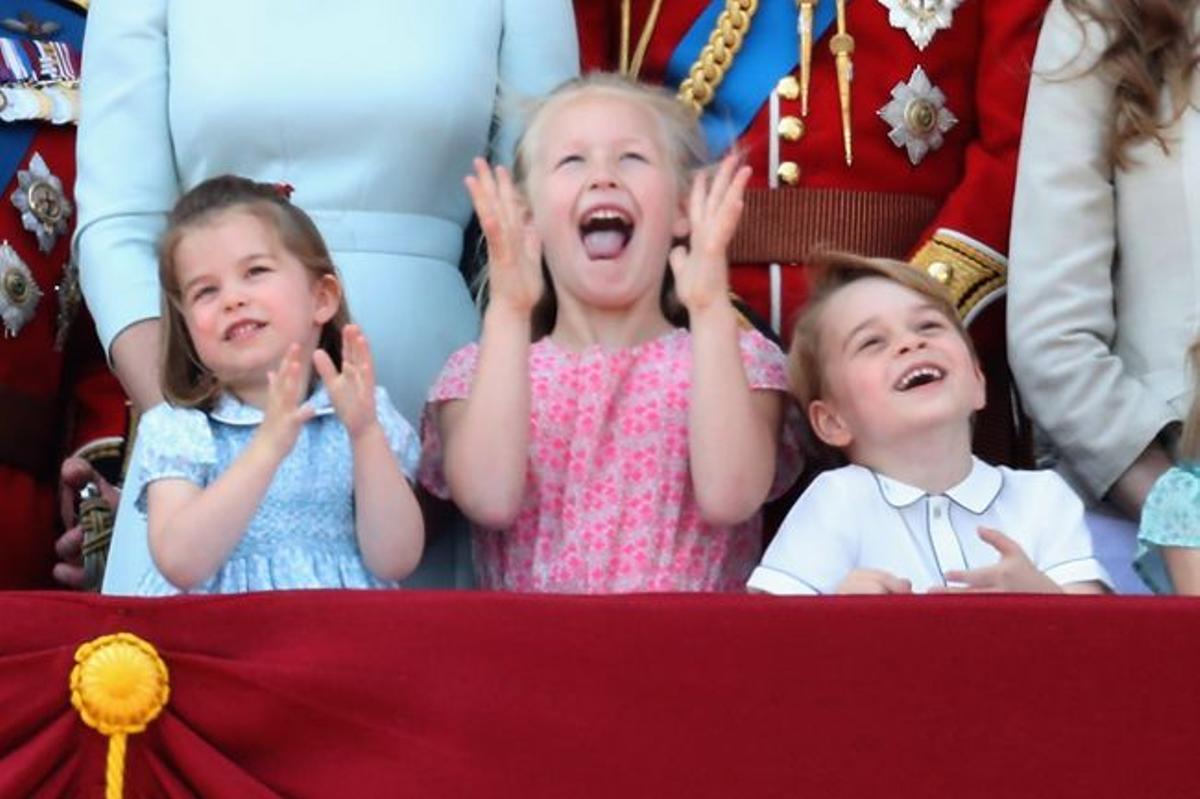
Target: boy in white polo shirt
888	378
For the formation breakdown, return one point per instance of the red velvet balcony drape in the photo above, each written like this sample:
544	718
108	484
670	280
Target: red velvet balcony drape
344	694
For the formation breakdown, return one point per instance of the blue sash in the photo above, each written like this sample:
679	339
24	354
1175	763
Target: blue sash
770	51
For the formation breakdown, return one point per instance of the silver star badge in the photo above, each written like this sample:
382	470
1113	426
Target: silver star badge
45	209
19	292
921	19
918	115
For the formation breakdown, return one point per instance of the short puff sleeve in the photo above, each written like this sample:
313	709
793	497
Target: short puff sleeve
766	370
402	439
453	383
174	443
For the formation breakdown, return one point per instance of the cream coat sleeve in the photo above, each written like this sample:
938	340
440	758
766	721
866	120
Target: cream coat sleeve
127	181
1064	253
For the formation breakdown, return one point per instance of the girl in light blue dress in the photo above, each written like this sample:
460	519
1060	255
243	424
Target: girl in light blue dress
1168	556
250	479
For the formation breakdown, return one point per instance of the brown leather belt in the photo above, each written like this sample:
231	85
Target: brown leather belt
787	225
29	432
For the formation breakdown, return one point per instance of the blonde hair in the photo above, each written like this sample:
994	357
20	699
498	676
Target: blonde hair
834	272
686	152
185	380
1189	444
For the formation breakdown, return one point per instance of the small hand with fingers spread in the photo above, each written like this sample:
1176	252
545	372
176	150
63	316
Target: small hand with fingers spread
352	390
701	270
285	415
1015	573
873	581
514	249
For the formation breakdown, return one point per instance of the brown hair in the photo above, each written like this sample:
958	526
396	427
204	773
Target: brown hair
834	272
1151	45
1189	444
686	152
186	382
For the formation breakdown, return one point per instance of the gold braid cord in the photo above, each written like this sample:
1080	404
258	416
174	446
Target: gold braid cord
716	58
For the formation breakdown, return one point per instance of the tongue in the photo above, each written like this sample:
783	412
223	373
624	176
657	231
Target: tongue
604	243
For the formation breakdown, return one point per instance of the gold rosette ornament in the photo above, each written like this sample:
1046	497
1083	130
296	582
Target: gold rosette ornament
119	685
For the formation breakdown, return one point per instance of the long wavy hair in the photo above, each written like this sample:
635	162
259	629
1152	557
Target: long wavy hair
1151	46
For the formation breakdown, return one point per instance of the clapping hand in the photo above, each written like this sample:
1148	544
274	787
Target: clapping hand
284	415
514	249
701	269
351	390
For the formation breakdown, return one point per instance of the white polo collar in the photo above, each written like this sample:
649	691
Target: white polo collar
975	493
231	410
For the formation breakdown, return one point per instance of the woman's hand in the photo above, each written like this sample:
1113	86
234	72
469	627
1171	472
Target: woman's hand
514	251
352	390
701	269
284	415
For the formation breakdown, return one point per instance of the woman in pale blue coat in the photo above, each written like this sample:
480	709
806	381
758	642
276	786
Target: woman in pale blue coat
371	109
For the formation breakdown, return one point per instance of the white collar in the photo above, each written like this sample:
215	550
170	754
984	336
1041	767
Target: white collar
975	493
231	410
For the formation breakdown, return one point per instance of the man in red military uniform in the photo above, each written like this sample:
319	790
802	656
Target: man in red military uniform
57	396
886	127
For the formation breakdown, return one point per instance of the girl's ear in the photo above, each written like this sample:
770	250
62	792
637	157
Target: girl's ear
327	293
829	425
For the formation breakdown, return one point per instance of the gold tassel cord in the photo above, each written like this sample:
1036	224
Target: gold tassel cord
716	57
119	685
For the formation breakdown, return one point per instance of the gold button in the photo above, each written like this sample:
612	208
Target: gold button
789	172
920	116
16	286
790	128
788	88
940	271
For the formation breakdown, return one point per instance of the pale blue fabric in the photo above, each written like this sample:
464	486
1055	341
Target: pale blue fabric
371	109
303	534
1170	518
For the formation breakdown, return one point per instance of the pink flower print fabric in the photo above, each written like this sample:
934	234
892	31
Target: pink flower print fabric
609	505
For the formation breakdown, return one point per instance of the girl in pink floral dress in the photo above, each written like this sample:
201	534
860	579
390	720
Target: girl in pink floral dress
615	429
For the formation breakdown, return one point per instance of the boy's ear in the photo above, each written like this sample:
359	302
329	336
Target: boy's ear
681	226
328	294
829	425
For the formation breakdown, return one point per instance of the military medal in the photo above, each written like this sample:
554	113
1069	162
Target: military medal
45	210
19	292
920	19
918	115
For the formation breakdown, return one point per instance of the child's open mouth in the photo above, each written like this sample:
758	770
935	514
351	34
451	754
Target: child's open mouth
605	232
919	376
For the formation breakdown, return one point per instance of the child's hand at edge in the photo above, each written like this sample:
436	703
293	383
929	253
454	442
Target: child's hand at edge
1015	573
514	250
284	414
701	269
352	390
873	581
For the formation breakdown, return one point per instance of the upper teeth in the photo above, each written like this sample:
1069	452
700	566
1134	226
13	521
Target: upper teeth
605	213
916	374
